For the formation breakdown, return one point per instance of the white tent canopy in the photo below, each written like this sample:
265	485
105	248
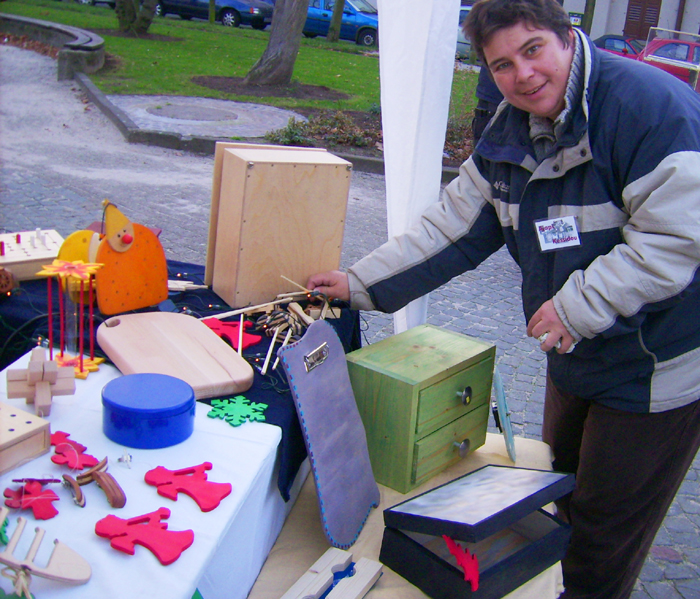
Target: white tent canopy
417	43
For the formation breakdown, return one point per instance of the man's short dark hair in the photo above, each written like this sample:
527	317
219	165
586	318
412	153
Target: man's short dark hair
489	16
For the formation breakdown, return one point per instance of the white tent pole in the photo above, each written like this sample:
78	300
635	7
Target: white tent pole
417	44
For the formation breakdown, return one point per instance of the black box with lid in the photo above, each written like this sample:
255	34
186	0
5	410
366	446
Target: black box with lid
495	513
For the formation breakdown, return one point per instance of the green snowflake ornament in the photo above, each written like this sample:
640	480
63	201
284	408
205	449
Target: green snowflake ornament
237	410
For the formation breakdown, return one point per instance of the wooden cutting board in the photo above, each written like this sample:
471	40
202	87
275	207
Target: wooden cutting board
178	345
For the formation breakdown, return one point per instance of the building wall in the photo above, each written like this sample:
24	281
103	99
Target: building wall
600	24
613	20
668	14
691	17
610	15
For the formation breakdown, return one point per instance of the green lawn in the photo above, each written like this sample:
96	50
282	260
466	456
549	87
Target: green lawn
198	48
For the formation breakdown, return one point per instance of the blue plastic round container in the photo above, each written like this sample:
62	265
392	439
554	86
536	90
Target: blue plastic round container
148	411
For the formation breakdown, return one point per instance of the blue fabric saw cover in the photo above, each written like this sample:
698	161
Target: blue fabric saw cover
333	432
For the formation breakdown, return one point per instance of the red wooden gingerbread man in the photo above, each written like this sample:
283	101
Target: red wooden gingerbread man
71	453
190	481
148	531
32	496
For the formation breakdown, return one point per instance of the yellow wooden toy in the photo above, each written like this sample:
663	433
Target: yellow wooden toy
80	245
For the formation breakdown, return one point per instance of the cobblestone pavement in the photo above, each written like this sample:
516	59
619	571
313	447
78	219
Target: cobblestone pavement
60	157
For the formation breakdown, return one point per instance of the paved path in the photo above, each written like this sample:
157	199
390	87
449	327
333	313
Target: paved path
60	157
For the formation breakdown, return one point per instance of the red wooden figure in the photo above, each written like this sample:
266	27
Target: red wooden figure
32	496
229	332
59	438
190	481
148	531
467	561
71	453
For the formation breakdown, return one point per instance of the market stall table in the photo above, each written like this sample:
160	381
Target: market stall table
230	543
302	542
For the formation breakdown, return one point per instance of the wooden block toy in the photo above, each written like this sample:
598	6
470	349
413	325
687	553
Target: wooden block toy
40	381
280	211
24	253
23	436
335	570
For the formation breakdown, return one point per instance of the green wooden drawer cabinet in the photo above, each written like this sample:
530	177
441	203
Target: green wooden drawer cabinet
424	398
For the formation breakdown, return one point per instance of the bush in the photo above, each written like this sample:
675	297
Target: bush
326	128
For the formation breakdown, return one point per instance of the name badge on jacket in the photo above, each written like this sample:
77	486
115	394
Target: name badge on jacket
557	233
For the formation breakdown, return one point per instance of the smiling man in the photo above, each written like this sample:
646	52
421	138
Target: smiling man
589	172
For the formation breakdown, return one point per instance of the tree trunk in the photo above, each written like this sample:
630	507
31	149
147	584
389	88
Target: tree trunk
276	65
126	15
336	20
212	11
145	16
134	16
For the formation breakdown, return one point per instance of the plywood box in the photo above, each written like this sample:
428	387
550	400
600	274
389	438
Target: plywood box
280	213
23	436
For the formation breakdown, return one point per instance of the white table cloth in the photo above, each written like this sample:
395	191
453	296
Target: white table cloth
230	543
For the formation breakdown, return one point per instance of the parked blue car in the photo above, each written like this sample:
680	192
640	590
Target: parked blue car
359	25
231	13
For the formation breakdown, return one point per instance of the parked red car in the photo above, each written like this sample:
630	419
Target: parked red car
620	45
679	57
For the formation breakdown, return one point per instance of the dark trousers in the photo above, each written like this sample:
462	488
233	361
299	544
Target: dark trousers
628	469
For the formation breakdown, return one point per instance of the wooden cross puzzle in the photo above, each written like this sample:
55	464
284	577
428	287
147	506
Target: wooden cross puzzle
40	381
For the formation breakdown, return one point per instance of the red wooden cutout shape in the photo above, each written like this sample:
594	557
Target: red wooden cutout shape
70	453
191	481
148	531
229	331
467	561
32	496
59	438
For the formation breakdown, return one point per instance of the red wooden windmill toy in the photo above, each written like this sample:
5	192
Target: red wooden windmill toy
77	273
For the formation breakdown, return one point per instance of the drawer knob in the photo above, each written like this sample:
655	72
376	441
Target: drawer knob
463	448
465	396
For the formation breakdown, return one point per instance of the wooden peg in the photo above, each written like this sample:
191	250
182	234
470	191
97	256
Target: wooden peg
304	289
269	352
286	340
297	310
